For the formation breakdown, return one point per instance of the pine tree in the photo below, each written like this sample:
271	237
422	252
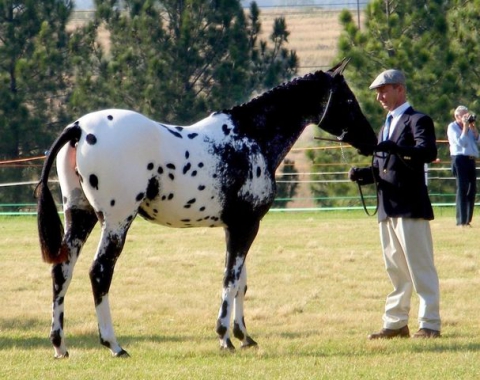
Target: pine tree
177	61
34	74
464	32
409	35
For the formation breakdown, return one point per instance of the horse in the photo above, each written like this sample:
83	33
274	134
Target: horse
116	164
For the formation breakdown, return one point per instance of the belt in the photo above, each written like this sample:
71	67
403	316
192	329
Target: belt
463	155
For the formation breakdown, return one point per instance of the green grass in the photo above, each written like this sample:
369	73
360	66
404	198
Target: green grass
317	287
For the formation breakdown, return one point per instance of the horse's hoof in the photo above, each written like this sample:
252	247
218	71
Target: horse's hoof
249	343
61	356
122	354
227	346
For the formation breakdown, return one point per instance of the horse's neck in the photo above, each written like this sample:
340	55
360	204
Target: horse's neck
277	123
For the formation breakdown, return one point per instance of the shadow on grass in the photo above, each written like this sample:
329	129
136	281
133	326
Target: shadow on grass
32	334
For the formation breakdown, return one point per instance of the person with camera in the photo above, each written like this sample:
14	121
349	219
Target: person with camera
405	144
463	139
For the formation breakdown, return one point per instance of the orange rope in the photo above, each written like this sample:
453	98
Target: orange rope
22	160
292	150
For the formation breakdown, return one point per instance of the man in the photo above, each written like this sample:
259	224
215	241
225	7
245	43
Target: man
463	139
406	144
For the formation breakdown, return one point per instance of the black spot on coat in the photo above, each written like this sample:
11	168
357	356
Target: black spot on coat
91	139
186	168
226	130
93	179
152	188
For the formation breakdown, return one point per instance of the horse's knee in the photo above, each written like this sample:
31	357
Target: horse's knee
221	329
100	279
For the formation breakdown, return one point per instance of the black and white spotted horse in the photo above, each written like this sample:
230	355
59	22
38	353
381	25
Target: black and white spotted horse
220	172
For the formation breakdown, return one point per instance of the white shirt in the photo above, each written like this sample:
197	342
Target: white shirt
396	114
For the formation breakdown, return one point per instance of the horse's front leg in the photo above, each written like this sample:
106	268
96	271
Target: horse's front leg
230	289
101	274
239	239
239	327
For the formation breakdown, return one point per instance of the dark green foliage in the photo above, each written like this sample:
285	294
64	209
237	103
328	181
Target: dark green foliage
174	61
34	72
178	61
416	37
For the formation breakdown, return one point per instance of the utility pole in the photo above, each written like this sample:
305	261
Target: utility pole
358	14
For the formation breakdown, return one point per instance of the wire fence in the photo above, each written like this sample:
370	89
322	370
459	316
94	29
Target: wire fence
438	176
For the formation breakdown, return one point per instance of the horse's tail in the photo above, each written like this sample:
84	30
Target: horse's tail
50	228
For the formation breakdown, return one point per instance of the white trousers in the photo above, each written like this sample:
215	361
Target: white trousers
408	254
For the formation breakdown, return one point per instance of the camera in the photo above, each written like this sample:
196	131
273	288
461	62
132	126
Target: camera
472	118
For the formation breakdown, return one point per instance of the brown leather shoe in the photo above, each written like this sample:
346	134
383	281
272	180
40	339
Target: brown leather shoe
426	333
403	332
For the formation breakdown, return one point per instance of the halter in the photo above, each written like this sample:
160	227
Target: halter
344	131
326	108
339	139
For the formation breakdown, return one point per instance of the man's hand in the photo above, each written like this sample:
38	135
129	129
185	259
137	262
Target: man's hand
387	146
353	174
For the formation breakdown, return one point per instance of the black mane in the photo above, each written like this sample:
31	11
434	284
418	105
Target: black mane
276	118
277	92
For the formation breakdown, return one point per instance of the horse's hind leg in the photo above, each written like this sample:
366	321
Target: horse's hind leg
79	223
101	274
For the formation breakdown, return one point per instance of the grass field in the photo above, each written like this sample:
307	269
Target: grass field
316	289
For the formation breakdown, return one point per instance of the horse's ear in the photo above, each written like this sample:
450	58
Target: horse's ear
339	67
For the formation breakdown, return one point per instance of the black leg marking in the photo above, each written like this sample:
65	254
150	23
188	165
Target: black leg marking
237	332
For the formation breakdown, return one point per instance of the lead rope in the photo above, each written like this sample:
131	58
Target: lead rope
362	197
375	182
339	139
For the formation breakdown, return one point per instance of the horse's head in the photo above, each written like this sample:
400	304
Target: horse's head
343	117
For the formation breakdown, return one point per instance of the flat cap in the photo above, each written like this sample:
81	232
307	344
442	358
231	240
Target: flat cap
388	77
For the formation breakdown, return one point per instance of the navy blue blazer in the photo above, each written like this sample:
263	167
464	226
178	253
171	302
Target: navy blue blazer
402	190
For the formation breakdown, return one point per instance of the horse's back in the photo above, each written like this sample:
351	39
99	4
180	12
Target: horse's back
175	176
128	162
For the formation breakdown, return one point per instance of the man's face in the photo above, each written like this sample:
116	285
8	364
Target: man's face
460	116
390	96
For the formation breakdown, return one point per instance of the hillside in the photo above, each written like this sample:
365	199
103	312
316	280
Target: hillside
314	35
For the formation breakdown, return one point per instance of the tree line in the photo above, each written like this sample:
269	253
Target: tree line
174	61
436	44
